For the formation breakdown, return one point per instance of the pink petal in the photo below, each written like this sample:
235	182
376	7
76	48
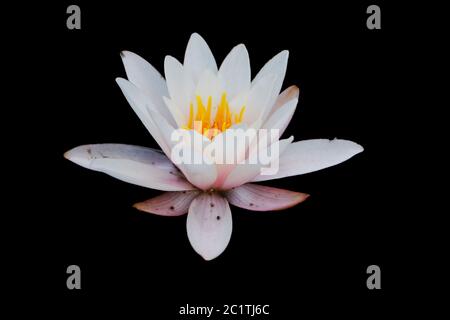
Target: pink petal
169	203
287	95
209	224
262	198
283	110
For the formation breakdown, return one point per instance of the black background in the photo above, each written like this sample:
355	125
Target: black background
309	259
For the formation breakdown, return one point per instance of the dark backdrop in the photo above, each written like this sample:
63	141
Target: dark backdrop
310	258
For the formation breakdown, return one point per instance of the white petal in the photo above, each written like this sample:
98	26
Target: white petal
208	85
209	225
235	71
262	198
277	66
311	155
142	107
198	57
144	76
177	114
137	165
169	203
246	172
239	101
180	86
165	131
261	98
281	117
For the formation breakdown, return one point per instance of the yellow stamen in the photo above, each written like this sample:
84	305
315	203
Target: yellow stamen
191	115
204	124
241	114
208	108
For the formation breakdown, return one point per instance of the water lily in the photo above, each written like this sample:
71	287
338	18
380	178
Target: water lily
207	102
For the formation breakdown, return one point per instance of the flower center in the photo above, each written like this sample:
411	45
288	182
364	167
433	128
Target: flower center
204	122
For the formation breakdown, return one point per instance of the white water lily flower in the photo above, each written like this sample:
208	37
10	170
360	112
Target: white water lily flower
219	99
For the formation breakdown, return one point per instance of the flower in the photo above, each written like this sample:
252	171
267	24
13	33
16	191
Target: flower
207	103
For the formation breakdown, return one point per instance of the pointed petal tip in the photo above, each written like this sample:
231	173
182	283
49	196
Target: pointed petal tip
283	55
303	196
170	59
241	46
196	35
70	155
208	258
140	206
128	54
299	198
78	155
360	148
356	146
66	155
123	84
120	80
